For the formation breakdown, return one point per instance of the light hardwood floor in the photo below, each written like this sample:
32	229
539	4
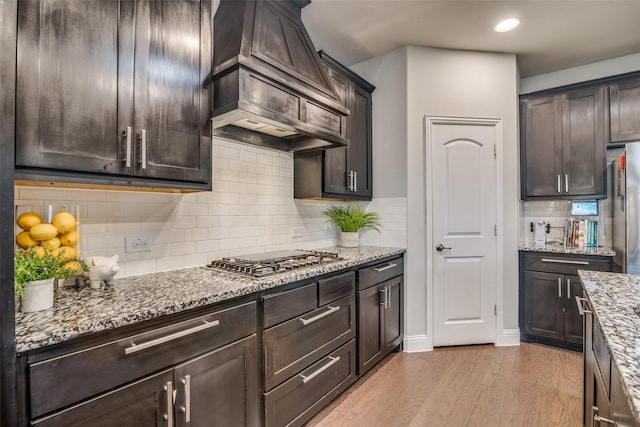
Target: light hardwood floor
485	386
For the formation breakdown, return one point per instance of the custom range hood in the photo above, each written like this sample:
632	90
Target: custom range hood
270	88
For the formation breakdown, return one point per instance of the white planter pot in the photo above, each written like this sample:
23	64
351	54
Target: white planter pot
348	239
37	296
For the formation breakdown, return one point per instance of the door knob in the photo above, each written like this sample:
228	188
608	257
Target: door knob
440	247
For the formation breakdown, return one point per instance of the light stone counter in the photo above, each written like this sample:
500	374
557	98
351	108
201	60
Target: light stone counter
135	299
560	249
612	297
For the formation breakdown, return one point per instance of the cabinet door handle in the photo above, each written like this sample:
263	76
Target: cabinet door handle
386	267
581	309
350	181
187	398
388	297
168	388
559	185
307	378
127	154
383	298
564	261
600	419
566	183
559	287
355	181
568	288
134	348
305	322
143	149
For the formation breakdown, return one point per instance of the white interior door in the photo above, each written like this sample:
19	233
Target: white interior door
463	174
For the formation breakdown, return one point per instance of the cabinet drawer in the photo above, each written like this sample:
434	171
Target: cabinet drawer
292	346
335	288
298	399
554	263
289	304
65	379
603	358
368	277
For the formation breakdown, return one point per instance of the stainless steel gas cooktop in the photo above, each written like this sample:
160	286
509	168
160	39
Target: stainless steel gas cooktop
264	264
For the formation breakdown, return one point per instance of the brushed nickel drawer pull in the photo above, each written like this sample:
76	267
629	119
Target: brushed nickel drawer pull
186	409
568	288
566	183
581	309
134	348
559	188
559	287
305	322
168	388
564	261
333	361
386	267
143	148
127	154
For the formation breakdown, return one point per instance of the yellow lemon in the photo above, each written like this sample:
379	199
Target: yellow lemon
66	252
40	251
64	222
43	232
24	240
73	266
28	220
51	244
70	239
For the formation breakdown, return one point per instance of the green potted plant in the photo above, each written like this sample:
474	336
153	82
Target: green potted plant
35	270
351	219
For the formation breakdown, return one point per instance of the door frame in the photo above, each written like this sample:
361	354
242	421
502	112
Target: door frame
496	123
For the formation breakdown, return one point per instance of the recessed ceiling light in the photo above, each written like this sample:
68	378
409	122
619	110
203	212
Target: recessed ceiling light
507	25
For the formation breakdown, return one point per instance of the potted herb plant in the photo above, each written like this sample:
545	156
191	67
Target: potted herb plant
351	219
35	270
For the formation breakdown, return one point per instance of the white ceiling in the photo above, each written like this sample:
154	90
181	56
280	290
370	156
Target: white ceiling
552	34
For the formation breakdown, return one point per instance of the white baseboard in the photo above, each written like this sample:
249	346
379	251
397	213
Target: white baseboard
509	337
415	343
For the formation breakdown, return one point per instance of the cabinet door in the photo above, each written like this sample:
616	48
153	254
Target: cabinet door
625	111
370	328
393	314
220	388
172	103
73	88
583	142
543	304
335	159
359	150
144	403
573	328
542	147
601	407
620	404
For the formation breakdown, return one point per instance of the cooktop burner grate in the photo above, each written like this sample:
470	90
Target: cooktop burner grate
260	265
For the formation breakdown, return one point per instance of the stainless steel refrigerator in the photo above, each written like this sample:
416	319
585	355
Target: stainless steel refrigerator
624	176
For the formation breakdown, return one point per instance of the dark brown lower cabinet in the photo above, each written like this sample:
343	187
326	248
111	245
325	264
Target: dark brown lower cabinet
548	287
143	403
605	401
379	321
296	400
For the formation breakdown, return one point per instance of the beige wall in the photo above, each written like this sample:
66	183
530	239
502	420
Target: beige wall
447	83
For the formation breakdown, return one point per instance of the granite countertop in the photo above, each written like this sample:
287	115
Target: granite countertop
135	299
612	297
560	249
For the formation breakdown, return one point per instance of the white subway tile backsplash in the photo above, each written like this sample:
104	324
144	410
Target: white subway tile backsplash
250	209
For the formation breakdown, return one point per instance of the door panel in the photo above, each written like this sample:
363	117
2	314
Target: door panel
464	218
573	328
170	98
370	328
542	146
543	304
583	142
393	315
73	67
625	111
359	149
222	387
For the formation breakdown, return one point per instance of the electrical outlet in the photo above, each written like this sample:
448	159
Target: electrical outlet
296	232
137	244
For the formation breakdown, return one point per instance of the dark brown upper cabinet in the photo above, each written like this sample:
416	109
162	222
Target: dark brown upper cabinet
624	107
343	172
115	92
563	145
